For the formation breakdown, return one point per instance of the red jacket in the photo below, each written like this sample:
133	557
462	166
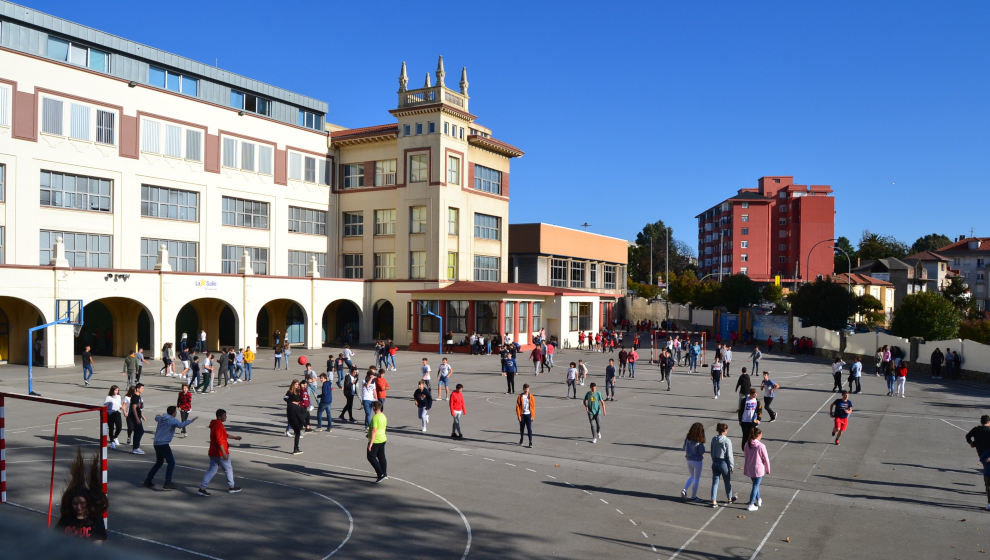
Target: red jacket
218	439
457	402
184	402
381	387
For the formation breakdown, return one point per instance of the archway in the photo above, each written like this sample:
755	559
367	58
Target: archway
341	323
16	317
284	315
383	319
212	315
116	326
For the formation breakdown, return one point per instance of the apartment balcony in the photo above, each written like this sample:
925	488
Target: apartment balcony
433	95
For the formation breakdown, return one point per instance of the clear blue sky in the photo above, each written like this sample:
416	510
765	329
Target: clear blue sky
632	112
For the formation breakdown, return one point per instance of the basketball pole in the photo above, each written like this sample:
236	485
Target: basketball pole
62	321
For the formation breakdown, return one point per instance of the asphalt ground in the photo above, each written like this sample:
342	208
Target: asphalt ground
902	484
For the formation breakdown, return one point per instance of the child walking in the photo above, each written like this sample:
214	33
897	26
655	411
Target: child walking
694	450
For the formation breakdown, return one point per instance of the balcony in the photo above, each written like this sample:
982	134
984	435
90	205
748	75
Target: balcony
431	95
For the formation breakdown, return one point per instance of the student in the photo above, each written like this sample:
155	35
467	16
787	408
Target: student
87	364
694	354
756	356
582	372
694	450
163	451
424	402
184	403
901	372
623	357
219	454
135	415
369	394
381	388
287	352
526	411
223	367
126	412
194	376
840	411
717	375
426	372
837	365
296	412
443	378
749	414
594	404
756	466
726	359
855	373
536	356
509	371
722	464
979	438
206	385
278	357
631	362
248	363
769	392
743	385
130	369
457	410
326	399
139	356
610	380
83	503
350	389
376	442
113	404
571	379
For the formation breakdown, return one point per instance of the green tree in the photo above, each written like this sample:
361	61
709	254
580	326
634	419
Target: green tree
824	304
639	254
928	315
841	264
773	294
648	291
683	287
874	246
738	291
708	295
870	309
930	242
976	330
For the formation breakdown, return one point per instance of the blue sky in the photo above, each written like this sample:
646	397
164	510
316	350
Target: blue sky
632	112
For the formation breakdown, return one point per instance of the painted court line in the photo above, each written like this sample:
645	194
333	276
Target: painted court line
619	511
551	476
696	533
645	536
586	492
951	424
633	522
603	500
510	464
530	470
796	432
774	526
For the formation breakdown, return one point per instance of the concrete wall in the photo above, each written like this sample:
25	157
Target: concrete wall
639	309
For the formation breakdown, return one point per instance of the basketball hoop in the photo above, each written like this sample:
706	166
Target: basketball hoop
77	329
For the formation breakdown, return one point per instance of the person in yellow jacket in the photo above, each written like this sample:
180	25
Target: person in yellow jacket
248	362
525	412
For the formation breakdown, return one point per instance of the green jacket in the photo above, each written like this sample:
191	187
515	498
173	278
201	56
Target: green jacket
593	400
130	364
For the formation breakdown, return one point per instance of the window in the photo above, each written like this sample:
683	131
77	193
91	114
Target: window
74	53
251	103
64	190
419	128
744	205
523	317
537	316
417	265
743	270
451	266
427	322
783	208
454	170
744	231
229	152
594	276
384	172
487	180
486	269
431	127
453	221
577	274
3	175
744	244
230	261
744	257
245	213
1	245
353	224
782	234
486	317
182	255
781	221
446	128
82	250
457	316
353	175
782	247
487	227
354	265
309	119
247	156
172	81
299	263
558	273
310	169
5	100
781	259
385	222
306	220
417	219
744	218
419	168
580	317
510	324
174	204
78	121
105	130
462	133
609	283
405	130
384	266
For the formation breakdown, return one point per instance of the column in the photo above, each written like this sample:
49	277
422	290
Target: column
443	320
601	314
516	336
470	317
529	323
415	320
500	327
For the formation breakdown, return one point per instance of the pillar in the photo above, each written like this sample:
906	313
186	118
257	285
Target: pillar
529	323
601	315
415	321
500	327
443	320
516	335
470	317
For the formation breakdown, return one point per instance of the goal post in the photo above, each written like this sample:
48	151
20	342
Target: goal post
83	407
658	338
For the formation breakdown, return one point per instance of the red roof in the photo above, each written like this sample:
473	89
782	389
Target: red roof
860	280
925	256
963	245
502	288
494	145
363	132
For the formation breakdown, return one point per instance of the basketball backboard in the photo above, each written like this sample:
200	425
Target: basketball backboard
71	312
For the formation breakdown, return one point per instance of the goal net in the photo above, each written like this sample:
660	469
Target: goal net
43	441
658	341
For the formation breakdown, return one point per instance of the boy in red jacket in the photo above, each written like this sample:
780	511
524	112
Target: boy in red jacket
457	410
219	455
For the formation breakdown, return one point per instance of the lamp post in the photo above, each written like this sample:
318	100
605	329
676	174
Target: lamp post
849	271
807	262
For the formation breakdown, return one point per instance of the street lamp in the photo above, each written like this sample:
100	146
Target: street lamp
849	271
807	262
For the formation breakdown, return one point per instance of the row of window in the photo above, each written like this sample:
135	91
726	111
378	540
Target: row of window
485	226
485	316
559	274
430	127
485	179
486	268
354	174
78	121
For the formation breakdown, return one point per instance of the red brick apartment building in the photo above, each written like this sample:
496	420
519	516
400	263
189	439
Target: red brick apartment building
778	228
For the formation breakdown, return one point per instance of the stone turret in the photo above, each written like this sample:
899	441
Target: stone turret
403	78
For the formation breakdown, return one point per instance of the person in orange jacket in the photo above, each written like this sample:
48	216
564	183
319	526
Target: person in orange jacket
381	387
525	412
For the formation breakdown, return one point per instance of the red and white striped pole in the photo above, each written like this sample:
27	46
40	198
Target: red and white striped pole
3	453
103	459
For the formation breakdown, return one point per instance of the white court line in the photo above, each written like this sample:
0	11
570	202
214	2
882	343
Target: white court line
815	465
619	511
510	464
813	414
603	500
774	526
530	470
551	476
633	522
951	424
696	533
645	536
586	492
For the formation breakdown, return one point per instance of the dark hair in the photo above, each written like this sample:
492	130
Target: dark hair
458	387
697	433
323	376
984	419
721	427
593	385
139	386
220	413
753	434
116	388
170	410
573	364
376	406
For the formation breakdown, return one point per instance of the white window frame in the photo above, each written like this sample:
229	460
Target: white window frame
453	220
65	120
161	136
418	216
6	99
419	172
353	175
257	153
744	244
385	226
297	163
385	172
417	265
453	170
353	229
384	266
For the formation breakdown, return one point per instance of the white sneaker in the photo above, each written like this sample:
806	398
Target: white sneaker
116	442
752	507
424	430
113	445
759	502
287	434
594	440
599	435
138	451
